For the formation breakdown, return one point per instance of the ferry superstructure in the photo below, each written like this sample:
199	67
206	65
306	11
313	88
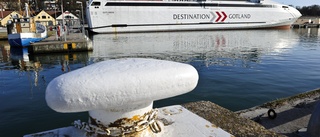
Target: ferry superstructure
123	16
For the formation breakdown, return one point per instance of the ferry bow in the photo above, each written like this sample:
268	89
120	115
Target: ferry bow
114	16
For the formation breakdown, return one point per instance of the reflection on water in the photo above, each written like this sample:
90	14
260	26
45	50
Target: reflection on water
4	55
309	37
21	60
211	47
308	33
24	63
255	63
23	80
237	70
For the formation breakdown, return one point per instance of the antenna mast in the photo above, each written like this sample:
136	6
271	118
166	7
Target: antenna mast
19	4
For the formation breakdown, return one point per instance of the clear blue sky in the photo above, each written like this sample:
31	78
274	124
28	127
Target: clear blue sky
299	2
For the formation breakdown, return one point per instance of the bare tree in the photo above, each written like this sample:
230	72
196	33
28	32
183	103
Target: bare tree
313	10
10	4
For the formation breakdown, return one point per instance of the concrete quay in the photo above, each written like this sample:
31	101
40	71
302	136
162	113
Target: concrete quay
70	43
307	22
229	121
305	25
293	114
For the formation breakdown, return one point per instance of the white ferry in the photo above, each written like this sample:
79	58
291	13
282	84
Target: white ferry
123	16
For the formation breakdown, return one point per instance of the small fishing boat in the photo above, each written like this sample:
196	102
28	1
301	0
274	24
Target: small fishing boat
22	31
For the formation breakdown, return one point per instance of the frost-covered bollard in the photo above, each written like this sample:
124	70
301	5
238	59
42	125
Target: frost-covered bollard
119	93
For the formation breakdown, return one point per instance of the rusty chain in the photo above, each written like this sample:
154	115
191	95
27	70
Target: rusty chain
149	120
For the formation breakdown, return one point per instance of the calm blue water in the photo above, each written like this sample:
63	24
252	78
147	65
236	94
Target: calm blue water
237	69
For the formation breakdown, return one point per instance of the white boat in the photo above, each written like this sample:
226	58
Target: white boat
113	16
22	31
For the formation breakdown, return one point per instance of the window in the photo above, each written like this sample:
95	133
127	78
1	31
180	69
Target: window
68	17
95	3
50	23
44	17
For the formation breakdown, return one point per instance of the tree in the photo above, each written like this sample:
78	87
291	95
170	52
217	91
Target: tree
11	4
313	10
16	5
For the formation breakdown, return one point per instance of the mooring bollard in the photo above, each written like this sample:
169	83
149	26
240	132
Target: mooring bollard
119	94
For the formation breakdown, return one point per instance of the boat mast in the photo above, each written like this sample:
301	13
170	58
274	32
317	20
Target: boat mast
27	9
19	4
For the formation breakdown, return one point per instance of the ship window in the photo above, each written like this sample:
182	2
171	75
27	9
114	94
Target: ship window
285	7
95	3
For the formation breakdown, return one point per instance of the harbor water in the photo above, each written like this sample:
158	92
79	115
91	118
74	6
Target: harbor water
237	69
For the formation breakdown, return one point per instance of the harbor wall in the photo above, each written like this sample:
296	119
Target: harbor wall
292	114
307	22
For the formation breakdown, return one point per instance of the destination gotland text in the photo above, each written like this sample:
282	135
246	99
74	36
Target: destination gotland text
190	16
208	16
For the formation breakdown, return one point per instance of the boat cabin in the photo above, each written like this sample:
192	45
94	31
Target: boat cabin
20	25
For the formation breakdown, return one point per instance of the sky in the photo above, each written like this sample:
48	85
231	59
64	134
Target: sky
300	3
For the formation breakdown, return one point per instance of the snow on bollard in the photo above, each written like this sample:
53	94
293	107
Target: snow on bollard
119	93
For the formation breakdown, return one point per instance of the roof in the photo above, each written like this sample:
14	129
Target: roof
54	13
3	14
67	15
6	13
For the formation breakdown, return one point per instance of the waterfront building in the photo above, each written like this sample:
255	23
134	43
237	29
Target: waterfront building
45	19
69	19
7	15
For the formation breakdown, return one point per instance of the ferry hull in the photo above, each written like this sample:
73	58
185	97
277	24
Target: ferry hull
132	16
195	27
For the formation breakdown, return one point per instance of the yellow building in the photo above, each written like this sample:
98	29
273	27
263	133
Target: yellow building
45	19
8	17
